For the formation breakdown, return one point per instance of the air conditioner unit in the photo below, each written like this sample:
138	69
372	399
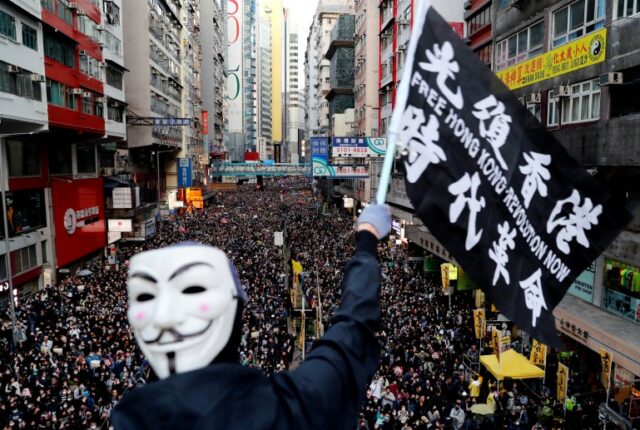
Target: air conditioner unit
533	98
467	5
101	28
402	47
13	69
74	5
101	99
106	171
77	91
82	52
611	78
87	94
563	91
36	77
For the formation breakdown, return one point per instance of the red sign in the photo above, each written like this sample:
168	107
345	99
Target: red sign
205	122
78	213
251	156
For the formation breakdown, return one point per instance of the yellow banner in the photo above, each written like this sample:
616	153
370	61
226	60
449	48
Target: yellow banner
538	354
495	342
478	323
583	52
296	266
444	272
505	343
606	360
562	381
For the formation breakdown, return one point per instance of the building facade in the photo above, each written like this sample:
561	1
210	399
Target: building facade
264	82
318	67
478	31
366	69
212	75
592	108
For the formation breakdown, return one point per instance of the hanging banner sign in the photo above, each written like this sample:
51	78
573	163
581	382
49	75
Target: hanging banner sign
479	323
606	358
578	54
562	382
538	354
496	189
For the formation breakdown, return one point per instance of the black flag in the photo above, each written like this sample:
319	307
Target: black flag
496	189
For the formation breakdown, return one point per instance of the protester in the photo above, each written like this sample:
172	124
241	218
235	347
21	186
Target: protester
78	358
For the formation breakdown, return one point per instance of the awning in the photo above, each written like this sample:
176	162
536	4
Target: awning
512	365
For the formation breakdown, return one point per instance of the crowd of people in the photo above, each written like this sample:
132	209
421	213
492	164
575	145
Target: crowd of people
76	357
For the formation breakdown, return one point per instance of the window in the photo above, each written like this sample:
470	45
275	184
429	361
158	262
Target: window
583	104
627	8
86	158
90	66
621	292
23	158
19	84
61	95
3	267
29	37
534	108
24	260
114	78
87	105
525	44
484	54
25	211
479	20
7	25
112	12
64	12
60	159
59	51
579	18
115	113
45	258
553	109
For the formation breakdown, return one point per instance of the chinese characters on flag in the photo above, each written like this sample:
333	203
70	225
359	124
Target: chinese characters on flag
496	189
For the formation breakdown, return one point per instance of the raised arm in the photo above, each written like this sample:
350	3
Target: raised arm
327	389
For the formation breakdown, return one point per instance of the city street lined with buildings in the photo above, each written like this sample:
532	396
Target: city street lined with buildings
132	125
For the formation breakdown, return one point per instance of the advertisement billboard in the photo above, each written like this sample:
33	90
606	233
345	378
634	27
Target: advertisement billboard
234	61
78	214
120	225
358	147
184	173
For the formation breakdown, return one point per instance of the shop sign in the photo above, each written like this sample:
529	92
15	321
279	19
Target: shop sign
358	147
571	329
578	54
582	287
122	198
113	236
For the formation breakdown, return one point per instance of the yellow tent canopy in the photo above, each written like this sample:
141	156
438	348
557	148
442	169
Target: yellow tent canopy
512	365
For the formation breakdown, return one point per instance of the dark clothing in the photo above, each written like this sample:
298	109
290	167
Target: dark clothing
325	392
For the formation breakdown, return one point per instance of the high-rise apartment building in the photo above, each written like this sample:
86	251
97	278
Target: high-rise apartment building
264	82
366	69
212	75
294	117
249	99
317	66
478	34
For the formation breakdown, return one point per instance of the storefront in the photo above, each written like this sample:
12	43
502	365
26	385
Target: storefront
621	295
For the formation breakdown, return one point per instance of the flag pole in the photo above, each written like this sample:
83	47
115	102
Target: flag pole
385	175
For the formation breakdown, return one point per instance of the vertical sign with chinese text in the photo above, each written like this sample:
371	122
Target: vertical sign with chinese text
184	173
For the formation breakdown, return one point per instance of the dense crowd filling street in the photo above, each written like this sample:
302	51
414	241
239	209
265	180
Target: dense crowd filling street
76	357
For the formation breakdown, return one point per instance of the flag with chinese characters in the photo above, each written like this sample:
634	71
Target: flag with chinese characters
521	216
538	354
479	323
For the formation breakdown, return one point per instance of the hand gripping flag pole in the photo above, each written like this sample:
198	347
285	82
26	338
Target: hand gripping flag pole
394	143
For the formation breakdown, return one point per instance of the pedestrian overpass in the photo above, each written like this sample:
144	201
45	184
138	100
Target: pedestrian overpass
253	169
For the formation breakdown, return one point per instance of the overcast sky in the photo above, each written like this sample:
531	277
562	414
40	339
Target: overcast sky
302	12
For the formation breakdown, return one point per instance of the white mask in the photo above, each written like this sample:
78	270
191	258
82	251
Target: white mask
182	305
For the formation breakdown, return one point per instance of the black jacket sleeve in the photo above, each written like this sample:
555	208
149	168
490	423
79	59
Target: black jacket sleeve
327	390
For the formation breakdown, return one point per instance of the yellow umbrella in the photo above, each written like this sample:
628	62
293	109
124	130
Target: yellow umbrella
481	409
